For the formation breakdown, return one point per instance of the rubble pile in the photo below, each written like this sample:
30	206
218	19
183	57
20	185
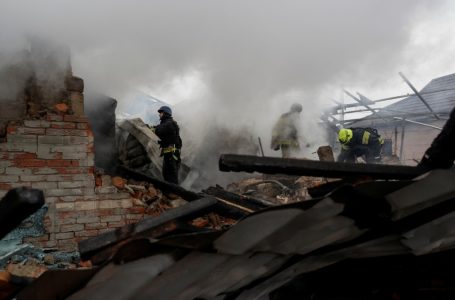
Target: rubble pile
154	201
27	263
277	189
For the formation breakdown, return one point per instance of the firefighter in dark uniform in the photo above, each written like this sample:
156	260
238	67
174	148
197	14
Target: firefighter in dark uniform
169	133
441	153
356	142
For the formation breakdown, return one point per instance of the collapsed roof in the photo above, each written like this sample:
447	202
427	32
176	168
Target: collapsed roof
272	250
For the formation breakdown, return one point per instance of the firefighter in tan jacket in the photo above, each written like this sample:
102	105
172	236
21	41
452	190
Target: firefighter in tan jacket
285	133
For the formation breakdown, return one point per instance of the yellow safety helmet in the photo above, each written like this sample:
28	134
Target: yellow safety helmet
344	135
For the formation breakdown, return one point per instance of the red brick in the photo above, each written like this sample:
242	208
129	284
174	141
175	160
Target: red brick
115	224
77	119
24	156
23	163
5	186
136	210
11	129
104	212
59	163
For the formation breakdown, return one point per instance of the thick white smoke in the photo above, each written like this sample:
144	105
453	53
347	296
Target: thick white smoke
240	63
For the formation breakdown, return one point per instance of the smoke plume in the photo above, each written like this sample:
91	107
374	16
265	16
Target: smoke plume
232	64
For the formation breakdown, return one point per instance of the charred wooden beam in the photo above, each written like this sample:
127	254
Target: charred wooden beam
189	210
303	167
16	205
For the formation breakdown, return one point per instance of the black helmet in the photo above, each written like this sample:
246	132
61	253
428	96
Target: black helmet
296	107
166	110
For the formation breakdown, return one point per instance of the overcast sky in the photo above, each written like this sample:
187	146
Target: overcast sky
245	61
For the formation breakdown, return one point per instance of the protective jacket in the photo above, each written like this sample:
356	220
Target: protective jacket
364	141
285	132
169	133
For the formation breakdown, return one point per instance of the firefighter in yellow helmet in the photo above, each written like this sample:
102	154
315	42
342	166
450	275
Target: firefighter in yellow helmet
285	133
356	142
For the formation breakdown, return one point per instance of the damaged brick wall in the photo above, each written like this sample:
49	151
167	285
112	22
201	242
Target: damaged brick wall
48	144
56	155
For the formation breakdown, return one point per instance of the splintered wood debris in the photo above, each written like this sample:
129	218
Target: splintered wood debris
156	202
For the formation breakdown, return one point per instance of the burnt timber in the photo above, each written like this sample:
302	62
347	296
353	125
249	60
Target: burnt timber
302	167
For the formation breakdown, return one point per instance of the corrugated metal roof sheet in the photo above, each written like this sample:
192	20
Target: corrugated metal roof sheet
439	94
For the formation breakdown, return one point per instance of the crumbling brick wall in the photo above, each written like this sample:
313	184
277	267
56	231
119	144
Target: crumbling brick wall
56	155
46	143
